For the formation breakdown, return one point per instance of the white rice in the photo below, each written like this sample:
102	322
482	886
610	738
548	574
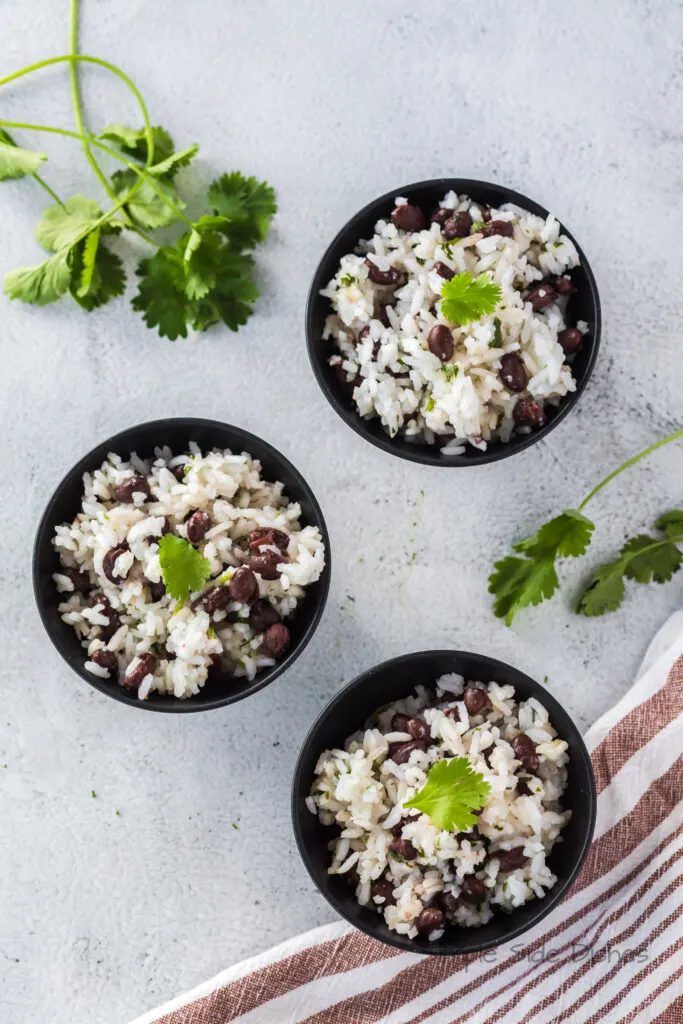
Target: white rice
395	376
362	790
184	642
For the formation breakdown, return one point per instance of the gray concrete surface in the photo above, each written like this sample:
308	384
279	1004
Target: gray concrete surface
104	915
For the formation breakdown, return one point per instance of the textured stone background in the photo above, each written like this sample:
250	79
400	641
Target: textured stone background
102	916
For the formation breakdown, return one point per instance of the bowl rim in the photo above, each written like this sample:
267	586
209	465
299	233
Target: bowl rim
85	463
554	895
423	454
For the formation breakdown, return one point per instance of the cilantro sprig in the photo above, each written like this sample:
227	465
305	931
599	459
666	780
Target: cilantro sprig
466	298
451	795
530	577
183	568
204	277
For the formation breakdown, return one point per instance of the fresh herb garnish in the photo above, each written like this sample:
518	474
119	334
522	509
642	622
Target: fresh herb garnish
183	568
347	280
517	583
451	371
497	341
202	278
478	225
466	298
452	793
429	404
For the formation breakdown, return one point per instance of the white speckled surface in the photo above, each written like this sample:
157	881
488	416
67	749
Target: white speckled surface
103	916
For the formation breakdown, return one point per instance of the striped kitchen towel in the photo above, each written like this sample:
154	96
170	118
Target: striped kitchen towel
612	951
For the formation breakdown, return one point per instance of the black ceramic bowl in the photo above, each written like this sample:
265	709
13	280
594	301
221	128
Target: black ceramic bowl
584	305
349	711
177	434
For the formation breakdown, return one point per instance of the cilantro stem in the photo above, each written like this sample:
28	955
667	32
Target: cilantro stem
628	464
76	96
140	171
50	191
71	58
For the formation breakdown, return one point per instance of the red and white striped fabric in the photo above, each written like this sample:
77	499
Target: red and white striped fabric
612	951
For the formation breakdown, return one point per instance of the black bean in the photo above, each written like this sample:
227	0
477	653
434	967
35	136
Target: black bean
475	700
440	342
262	615
108	563
215	599
400	752
486	214
399	723
570	339
513	372
510	860
80	580
389	277
404	849
105	659
267	536
418	729
473	890
541	296
383	889
135	673
397	829
276	640
179	473
443	271
157	590
130	486
197	525
563	285
408	217
448	903
266	564
166	528
525	751
352	877
243	585
106	632
499	227
430	920
528	413
458	225
441	215
363	333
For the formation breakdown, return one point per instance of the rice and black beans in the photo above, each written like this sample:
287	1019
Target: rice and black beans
420	878
439	383
261	560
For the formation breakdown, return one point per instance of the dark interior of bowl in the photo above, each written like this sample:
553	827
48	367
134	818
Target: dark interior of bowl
350	710
584	305
177	434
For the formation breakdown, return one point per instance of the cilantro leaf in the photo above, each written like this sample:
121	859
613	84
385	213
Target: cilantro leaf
161	293
517	583
231	300
62	224
42	284
566	536
16	162
248	205
647	559
497	341
452	793
171	165
605	592
466	298
184	569
133	141
671	523
97	273
146	208
643	559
